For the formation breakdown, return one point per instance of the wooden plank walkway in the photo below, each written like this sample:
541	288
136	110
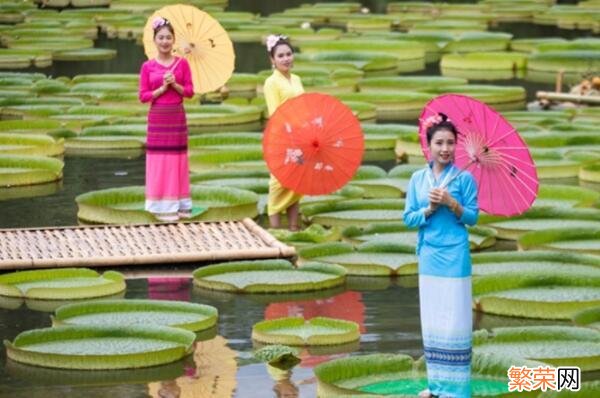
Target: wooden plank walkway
115	245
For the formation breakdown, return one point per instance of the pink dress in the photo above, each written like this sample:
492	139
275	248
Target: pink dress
167	166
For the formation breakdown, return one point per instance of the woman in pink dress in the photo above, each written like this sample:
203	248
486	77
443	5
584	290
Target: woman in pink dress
164	82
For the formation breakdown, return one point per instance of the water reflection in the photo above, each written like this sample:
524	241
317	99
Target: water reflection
211	374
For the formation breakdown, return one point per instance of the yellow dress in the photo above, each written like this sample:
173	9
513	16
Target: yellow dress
277	90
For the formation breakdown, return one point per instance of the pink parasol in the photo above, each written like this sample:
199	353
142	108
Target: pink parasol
491	149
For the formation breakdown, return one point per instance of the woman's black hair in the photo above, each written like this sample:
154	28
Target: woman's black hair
167	25
444	124
279	42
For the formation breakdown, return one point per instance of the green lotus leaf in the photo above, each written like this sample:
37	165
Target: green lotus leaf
502	98
589	318
478	41
235	157
479	237
565	196
100	347
367	61
395	83
529	45
573	61
584	240
314	233
402	49
87	54
590	172
138	130
103	143
298	331
490	61
44	377
199	116
353	212
268	276
27	144
279	356
224	139
61	284
126	78
184	315
16	170
535	294
555	345
126	205
400	105
401	376
375	258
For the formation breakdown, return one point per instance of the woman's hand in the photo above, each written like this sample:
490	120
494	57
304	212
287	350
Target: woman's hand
168	79
441	196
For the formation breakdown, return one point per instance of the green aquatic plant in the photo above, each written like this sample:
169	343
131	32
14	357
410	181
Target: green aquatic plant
61	284
100	347
268	276
299	332
184	315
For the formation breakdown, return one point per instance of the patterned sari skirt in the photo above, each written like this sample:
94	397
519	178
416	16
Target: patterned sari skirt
446	322
167	166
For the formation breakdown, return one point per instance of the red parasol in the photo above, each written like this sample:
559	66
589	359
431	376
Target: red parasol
313	144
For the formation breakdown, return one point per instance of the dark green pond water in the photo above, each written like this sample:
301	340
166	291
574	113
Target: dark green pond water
387	310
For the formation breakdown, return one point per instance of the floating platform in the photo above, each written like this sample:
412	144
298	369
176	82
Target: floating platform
120	245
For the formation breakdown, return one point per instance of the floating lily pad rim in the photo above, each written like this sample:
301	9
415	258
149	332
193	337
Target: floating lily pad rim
63	313
17	350
266	331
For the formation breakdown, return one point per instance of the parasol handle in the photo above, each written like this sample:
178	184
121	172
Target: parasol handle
459	173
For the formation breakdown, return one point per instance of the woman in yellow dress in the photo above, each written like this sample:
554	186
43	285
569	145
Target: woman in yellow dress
279	87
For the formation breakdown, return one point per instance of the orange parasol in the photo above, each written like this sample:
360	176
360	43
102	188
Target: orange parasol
201	40
313	144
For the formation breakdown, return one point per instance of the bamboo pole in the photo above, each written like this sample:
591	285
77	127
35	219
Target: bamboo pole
581	99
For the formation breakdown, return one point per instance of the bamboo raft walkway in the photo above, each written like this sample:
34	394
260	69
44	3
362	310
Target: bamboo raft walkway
118	245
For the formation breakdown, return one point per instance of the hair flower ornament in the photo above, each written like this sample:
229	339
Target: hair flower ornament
158	22
272	41
432	120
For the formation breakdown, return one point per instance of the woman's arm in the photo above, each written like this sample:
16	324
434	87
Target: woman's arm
414	215
146	94
470	209
271	96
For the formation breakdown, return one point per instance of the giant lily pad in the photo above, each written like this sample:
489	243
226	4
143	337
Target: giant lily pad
479	237
28	144
589	318
555	345
28	170
61	284
189	316
584	240
399	375
377	258
541	218
268	276
535	286
100	347
296	331
353	212
126	205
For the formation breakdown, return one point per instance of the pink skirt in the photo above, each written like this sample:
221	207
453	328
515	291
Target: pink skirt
167	166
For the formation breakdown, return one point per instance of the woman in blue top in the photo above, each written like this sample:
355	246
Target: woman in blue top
440	200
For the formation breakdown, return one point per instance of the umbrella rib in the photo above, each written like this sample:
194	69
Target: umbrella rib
526	162
518	178
513	185
491	144
505	188
522	161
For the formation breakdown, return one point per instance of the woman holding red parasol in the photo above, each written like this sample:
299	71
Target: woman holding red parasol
279	87
441	200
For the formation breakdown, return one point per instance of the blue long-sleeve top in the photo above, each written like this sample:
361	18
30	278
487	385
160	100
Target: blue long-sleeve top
443	227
